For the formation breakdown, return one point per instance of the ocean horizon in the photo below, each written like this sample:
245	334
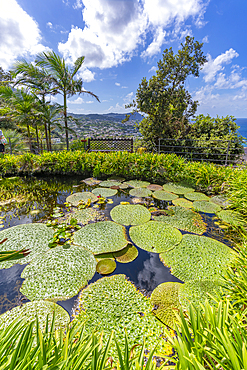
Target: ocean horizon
242	123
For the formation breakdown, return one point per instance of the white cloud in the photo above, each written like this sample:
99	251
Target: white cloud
234	81
79	100
89	102
49	24
20	34
129	97
124	87
153	69
205	39
117	84
86	75
213	66
115	29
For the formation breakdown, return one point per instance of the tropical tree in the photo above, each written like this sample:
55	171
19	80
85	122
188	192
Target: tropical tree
63	79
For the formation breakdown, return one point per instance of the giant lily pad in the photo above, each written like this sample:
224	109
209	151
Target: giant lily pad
116	178
154	236
198	258
29	311
184	219
230	217
205	206
164	195
130	214
154	187
166	302
140	192
137	184
108	184
34	237
91	181
113	303
58	274
104	192
75	198
83	216
181	202
177	188
101	237
196	196
220	200
127	254
106	266
195	292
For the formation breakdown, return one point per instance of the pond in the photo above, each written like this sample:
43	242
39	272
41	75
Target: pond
38	200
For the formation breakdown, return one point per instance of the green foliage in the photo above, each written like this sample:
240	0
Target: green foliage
58	274
109	183
76	198
198	258
196	196
232	218
177	188
126	255
101	237
104	192
205	206
181	202
77	145
154	236
237	192
130	214
83	216
164	195
106	266
140	192
137	183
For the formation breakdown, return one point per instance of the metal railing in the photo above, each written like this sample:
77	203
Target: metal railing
110	145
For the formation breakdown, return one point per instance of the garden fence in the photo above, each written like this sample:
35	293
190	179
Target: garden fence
110	145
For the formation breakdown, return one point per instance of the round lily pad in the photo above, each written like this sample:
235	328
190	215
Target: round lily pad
220	200
164	195
29	311
91	181
58	274
140	192
116	178
177	188
34	237
127	254
130	214
75	198
106	266
181	202
166	302
195	292
198	258
154	236
205	206
113	303
108	184
196	196
137	184
123	186
184	219
83	216
101	237
154	187
104	192
230	217
102	256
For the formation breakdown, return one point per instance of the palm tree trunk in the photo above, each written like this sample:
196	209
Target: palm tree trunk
45	126
29	137
65	119
49	136
37	135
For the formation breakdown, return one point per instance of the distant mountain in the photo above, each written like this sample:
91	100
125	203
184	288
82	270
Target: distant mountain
108	117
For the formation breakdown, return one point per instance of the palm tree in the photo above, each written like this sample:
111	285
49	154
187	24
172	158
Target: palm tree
62	78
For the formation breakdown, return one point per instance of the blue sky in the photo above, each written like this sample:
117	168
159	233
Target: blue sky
122	41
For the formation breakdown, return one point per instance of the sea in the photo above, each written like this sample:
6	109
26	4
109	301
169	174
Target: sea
242	123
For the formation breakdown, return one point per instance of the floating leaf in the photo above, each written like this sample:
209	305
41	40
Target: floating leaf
220	200
35	237
139	201
108	184
155	236
83	216
164	195
29	311
184	219
137	184
181	202
106	266
126	255
116	178
195	292
58	274
113	303
198	258
124	186
75	198
130	214
177	188
196	196
103	256
104	192
140	192
166	302
205	206
91	181
230	217
101	237
154	187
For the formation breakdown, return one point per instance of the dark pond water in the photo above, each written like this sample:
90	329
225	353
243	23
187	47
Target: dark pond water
35	200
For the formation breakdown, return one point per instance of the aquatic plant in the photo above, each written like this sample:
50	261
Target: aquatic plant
184	219
83	216
205	206
137	183
181	202
109	183
140	192
76	198
198	258
91	181
106	266
130	214
164	195
154	236
126	255
58	274
154	187
196	196
43	310
116	178
104	192
220	200
101	237
166	303
34	237
177	188
232	218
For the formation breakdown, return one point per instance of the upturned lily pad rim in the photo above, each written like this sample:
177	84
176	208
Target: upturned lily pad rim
106	266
